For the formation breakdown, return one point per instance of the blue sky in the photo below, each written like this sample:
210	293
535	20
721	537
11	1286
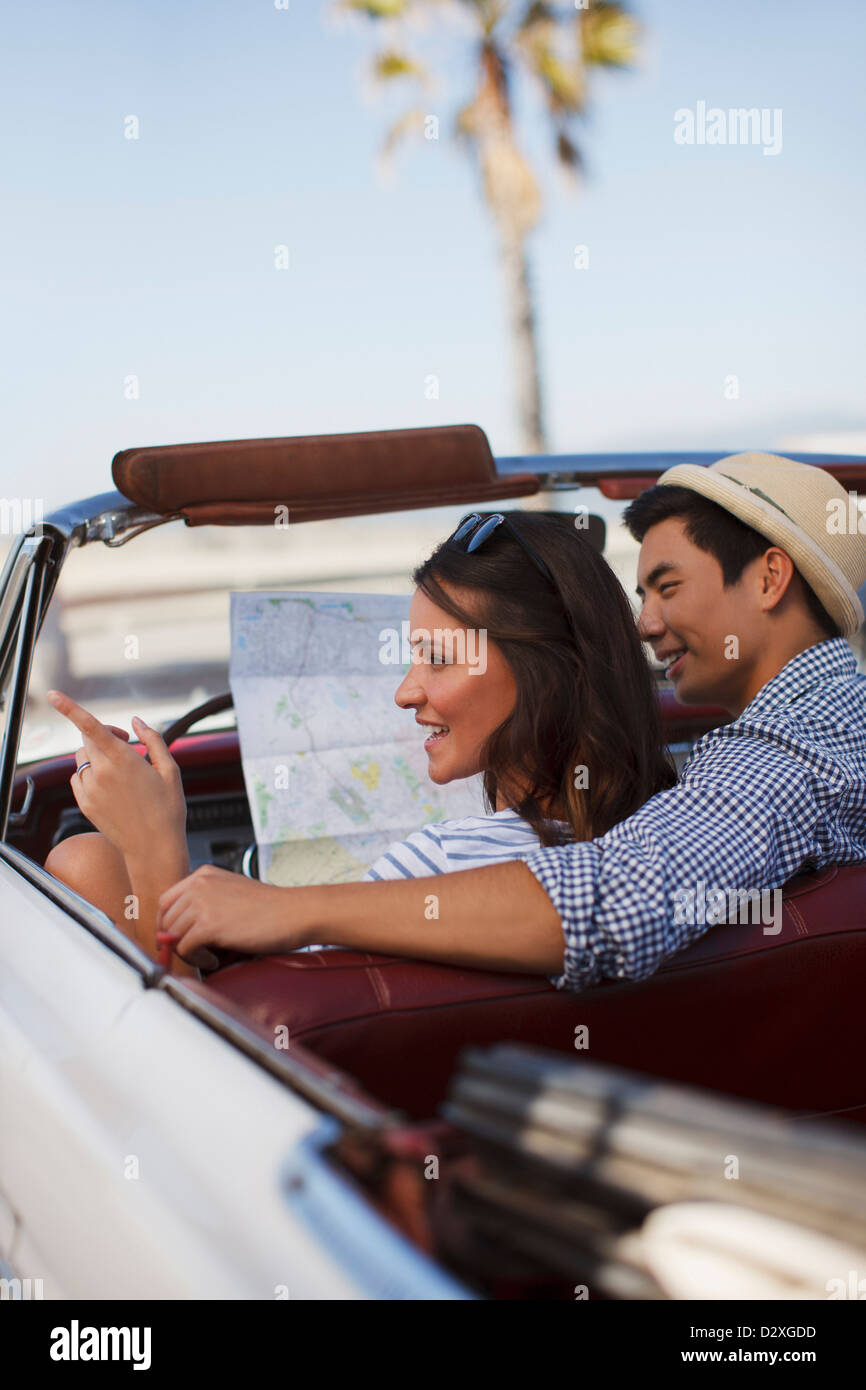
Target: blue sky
155	257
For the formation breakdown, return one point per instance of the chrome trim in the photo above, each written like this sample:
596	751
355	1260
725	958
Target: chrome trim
382	1261
18	560
9	563
96	922
102	517
584	470
16	817
109	538
322	1092
27	629
246	862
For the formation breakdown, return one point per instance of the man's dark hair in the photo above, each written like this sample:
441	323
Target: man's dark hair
718	532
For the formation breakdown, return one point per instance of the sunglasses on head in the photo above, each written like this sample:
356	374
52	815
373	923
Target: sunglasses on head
475	529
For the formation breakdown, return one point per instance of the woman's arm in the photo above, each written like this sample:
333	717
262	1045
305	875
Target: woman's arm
498	918
138	806
149	876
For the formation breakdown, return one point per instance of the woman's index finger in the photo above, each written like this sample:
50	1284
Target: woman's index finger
86	723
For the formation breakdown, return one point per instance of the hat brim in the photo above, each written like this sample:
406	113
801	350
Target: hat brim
817	567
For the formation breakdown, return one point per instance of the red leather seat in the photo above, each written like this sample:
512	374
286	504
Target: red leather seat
774	1018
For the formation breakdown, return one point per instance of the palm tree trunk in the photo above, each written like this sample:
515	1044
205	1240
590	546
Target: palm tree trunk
524	344
512	195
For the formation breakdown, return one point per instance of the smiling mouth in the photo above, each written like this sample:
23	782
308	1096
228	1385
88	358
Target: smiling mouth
439	731
673	667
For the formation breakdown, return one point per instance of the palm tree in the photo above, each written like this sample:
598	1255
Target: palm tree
558	42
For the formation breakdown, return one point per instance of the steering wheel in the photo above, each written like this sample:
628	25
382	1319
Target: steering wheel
215	705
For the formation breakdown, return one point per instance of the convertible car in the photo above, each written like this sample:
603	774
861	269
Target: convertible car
427	1132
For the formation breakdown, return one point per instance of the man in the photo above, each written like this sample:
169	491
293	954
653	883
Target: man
748	578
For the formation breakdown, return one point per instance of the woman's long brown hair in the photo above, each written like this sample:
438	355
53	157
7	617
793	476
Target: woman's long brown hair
586	698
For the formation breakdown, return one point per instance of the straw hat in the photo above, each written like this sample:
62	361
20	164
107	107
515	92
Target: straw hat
790	504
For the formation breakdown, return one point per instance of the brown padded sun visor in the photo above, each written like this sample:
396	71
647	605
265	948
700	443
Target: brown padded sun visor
241	482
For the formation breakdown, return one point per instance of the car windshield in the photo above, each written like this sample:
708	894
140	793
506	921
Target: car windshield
143	628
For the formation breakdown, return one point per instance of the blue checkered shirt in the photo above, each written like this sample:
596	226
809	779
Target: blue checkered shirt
780	787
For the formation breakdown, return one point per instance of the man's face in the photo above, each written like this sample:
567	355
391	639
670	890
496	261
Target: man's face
703	634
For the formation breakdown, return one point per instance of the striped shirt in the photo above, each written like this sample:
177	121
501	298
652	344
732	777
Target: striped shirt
472	843
781	786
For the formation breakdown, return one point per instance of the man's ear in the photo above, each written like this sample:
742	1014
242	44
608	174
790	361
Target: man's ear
776	575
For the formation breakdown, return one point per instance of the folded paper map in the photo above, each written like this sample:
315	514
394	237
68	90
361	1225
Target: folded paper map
334	770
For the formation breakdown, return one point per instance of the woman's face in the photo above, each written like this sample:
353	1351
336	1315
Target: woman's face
457	681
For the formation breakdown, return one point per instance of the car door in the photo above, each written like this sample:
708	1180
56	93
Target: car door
140	1152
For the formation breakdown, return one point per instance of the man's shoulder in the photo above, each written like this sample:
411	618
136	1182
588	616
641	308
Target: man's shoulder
814	704
813	734
742	748
823	674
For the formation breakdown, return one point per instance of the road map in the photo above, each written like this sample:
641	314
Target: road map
334	770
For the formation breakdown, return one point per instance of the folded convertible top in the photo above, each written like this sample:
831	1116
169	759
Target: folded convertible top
243	481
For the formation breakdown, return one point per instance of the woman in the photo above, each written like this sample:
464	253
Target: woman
562	722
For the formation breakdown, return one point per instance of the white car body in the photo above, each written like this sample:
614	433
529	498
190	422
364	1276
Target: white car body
143	1155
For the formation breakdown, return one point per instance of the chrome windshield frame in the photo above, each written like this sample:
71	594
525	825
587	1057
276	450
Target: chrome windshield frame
23	601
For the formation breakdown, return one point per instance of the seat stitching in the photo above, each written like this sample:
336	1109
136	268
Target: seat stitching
377	980
799	920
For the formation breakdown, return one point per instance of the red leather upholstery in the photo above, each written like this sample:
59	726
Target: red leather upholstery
774	1018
